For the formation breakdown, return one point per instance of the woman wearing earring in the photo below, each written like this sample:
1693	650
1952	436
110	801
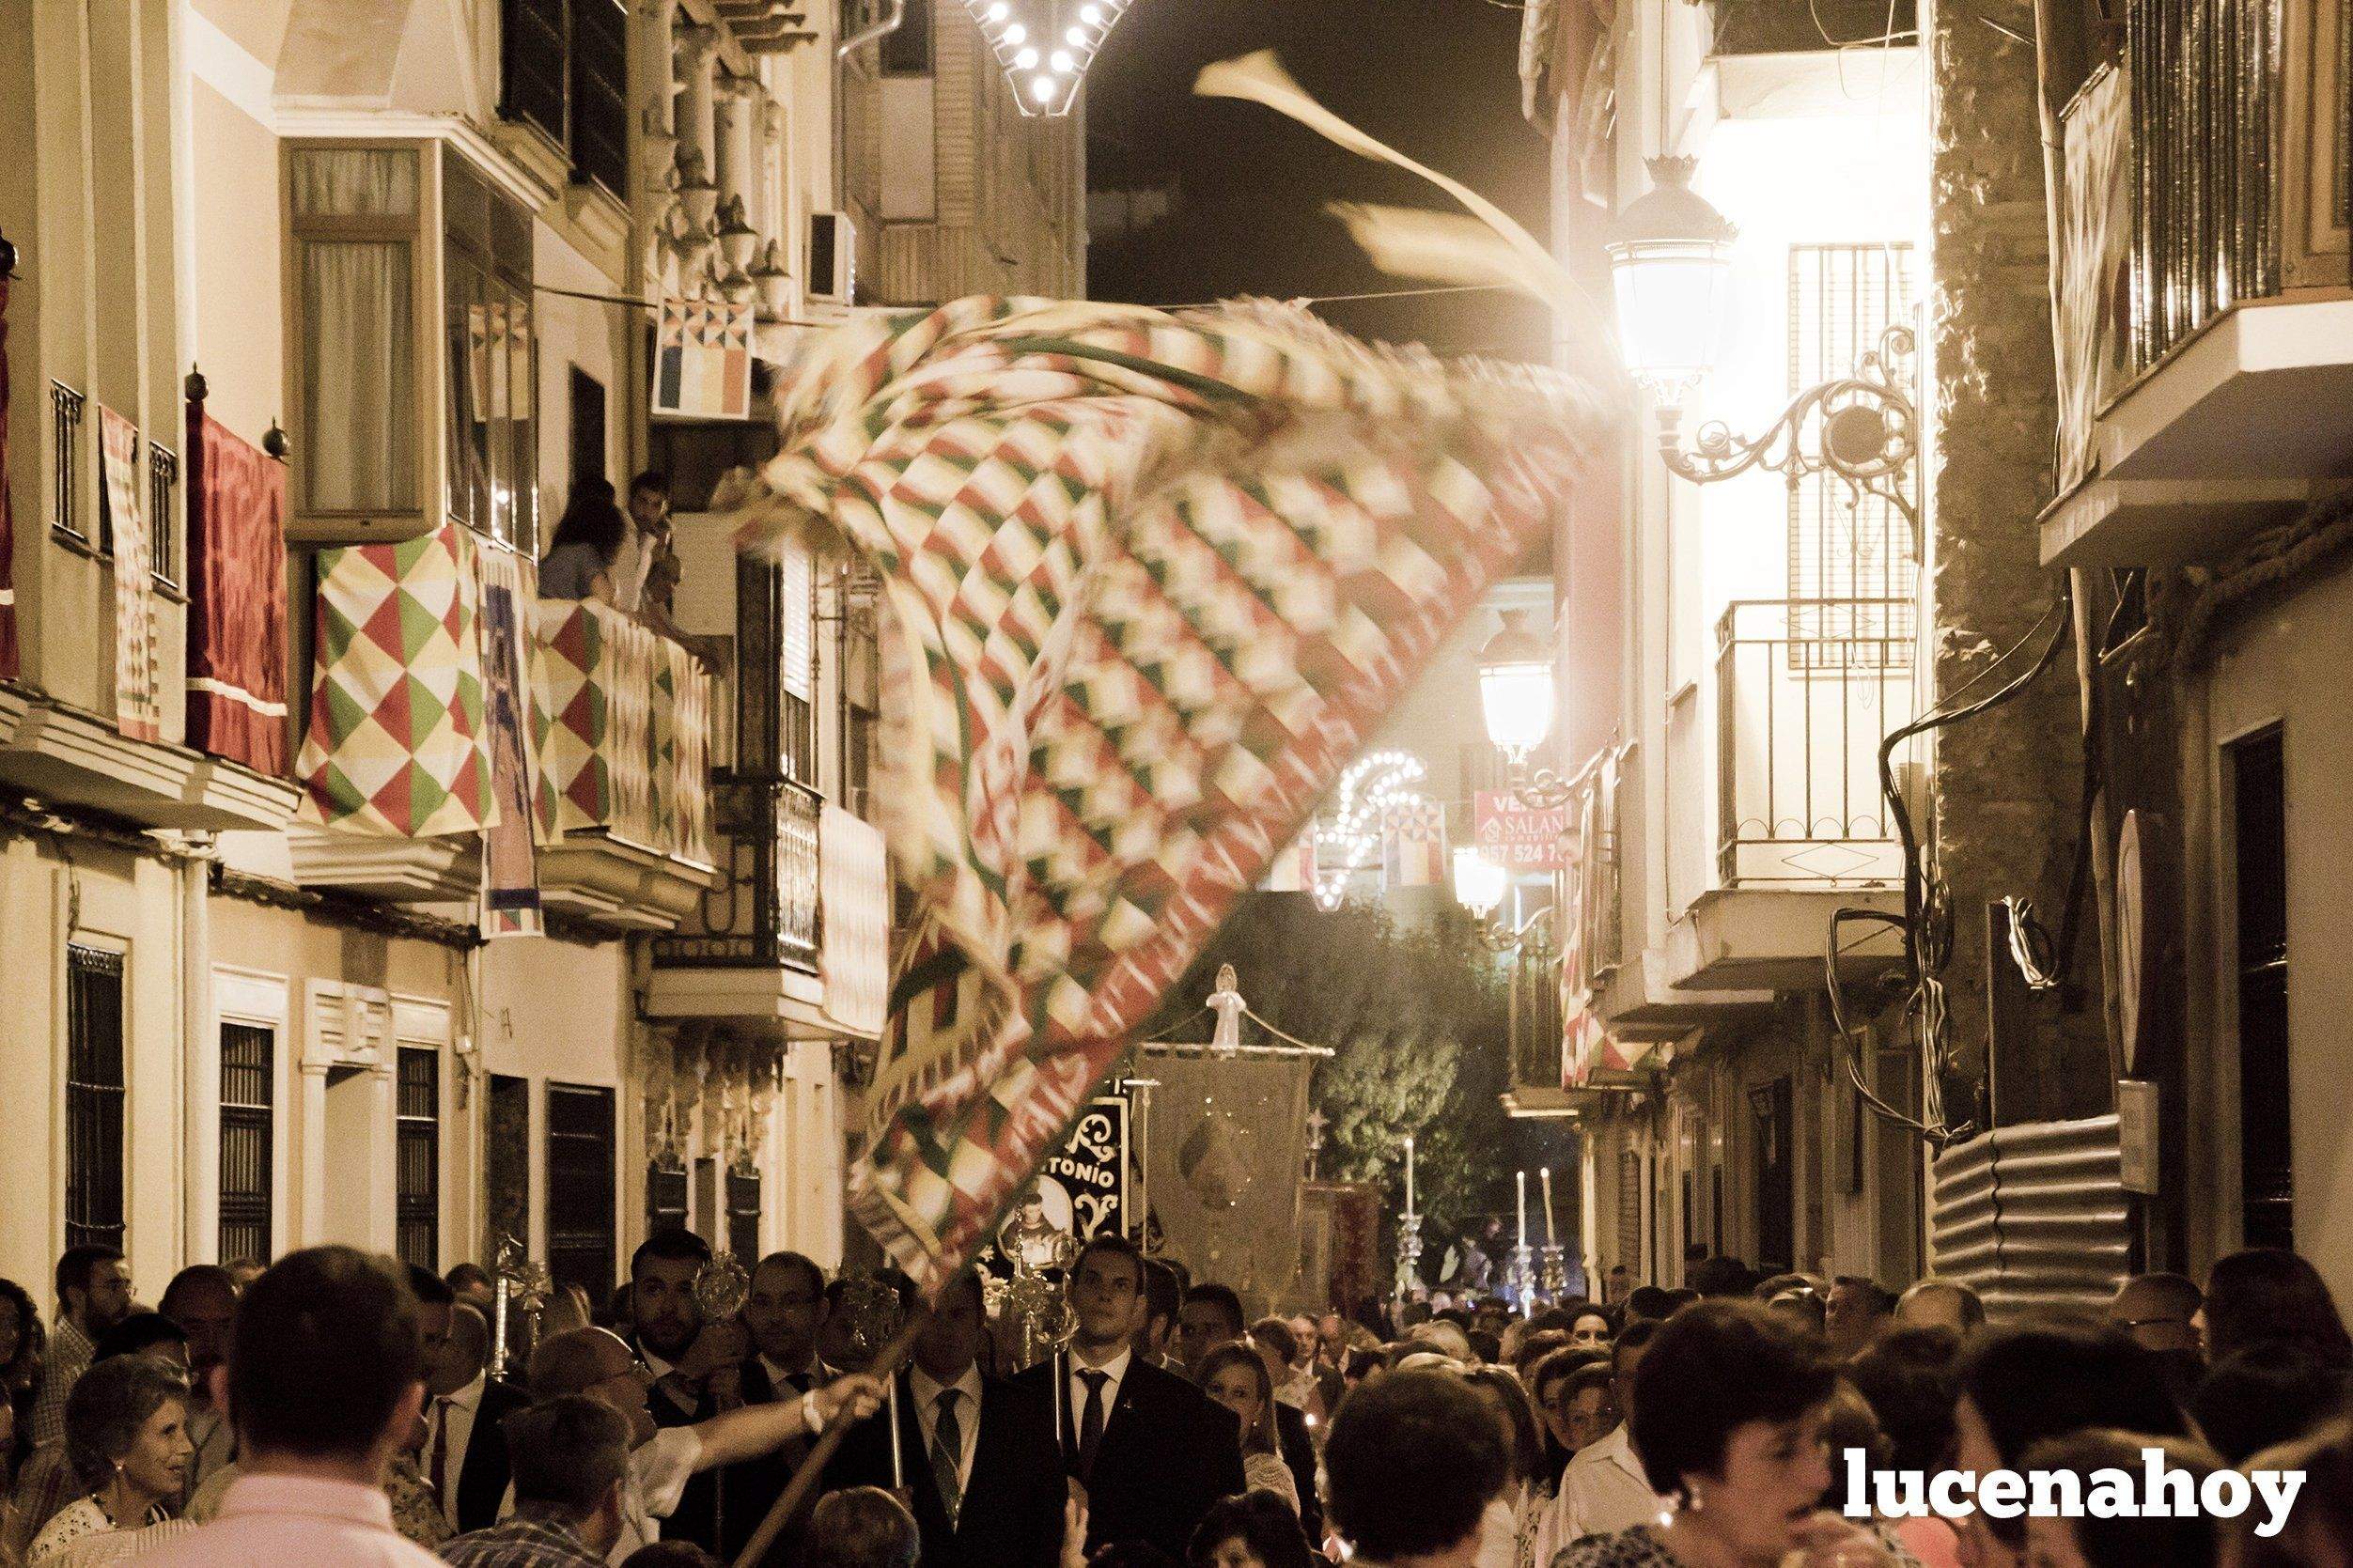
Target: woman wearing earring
127	1434
1236	1376
1729	1404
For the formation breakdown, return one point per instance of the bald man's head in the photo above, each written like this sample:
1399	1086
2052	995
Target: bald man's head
2157	1311
596	1362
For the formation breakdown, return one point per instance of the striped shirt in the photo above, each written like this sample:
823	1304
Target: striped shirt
70	1351
525	1541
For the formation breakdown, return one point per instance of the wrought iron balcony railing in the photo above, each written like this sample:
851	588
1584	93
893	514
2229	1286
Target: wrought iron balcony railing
763	912
1805	691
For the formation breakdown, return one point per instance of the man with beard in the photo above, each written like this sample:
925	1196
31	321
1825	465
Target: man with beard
93	1295
1152	1451
696	1369
202	1300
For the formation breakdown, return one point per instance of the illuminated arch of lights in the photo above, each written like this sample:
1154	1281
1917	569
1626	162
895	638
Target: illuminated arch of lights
1045	46
1349	841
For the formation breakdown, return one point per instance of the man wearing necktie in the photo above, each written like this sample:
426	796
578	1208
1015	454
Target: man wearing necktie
1152	1451
465	1449
975	1454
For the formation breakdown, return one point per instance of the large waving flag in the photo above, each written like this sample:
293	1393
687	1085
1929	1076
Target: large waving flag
1150	579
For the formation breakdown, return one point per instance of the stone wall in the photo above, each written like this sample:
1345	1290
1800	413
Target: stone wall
2006	782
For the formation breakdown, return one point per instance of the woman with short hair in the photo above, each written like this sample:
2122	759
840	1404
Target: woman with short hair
1235	1376
127	1434
1730	1401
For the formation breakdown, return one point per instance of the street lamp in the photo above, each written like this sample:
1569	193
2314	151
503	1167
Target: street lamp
1479	882
1671	266
1515	701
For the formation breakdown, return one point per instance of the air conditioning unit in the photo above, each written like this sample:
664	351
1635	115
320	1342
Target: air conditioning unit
831	276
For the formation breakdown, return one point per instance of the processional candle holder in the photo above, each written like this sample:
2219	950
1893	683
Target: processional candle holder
519	1288
1523	1277
1408	1254
1552	1271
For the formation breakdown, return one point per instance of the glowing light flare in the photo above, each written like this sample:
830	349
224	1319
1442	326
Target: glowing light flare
1372	784
1022	34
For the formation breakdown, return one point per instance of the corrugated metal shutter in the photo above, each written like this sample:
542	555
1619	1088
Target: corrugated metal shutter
2033	1218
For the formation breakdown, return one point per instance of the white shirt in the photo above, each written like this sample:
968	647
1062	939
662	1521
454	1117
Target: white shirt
1114	1372
927	1392
780	1376
659	1469
298	1519
453	1415
1603	1491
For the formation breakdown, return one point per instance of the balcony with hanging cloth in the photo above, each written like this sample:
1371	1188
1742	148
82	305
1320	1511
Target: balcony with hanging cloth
468	740
2204	332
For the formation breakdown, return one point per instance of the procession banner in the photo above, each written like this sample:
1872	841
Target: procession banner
1517	836
1228	1153
1079	1193
1149	582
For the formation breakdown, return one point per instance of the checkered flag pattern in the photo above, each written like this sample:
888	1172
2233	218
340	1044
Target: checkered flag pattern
703	361
395	715
1151	579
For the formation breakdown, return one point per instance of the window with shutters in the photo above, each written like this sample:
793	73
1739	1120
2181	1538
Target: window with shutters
564	68
2257	772
777	628
1852	567
248	1114
581	1179
744	1215
1630	1225
354	214
94	1097
416	1225
492	406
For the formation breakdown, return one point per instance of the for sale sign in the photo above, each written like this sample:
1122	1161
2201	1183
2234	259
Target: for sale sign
1519	837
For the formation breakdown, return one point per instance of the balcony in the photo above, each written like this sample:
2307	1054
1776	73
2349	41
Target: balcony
624	809
2205	342
751	948
624	768
1805	691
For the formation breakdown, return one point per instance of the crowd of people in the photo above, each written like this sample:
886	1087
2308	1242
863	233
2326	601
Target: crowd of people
339	1407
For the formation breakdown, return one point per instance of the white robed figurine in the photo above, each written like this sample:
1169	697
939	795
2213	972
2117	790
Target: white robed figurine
1226	1002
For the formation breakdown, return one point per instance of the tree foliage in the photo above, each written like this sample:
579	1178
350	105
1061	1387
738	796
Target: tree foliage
1418	1018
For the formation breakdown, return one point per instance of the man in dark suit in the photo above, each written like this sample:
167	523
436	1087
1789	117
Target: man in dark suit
698	1372
1152	1451
464	1458
975	1456
1212	1316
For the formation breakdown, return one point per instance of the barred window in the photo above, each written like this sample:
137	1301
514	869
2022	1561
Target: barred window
248	1112
95	1093
1852	566
417	1216
580	1247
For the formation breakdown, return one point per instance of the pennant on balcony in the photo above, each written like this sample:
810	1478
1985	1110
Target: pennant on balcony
235	596
703	361
138	687
1151	579
510	876
8	527
1413	844
396	713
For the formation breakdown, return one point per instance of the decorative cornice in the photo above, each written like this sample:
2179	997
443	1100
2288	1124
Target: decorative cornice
337	910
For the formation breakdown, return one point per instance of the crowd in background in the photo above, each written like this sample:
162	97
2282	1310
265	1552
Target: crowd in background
339	1407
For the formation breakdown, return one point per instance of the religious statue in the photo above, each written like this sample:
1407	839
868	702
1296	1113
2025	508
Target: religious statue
1228	1004
1031	1241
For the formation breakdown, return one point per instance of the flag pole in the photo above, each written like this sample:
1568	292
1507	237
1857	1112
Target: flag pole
812	1465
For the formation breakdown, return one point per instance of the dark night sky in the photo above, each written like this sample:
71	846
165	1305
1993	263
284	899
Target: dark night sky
1433	78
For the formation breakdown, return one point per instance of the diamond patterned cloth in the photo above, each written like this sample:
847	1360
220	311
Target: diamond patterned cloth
395	715
624	730
703	361
1151	581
